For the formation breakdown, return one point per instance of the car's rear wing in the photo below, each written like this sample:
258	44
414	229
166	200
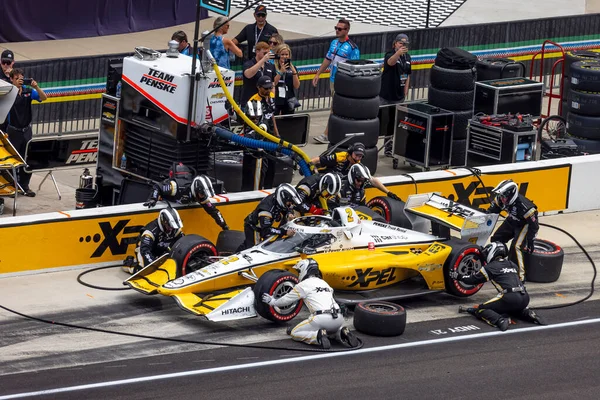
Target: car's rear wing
474	225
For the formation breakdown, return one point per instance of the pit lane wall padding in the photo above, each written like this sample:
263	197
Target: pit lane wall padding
103	235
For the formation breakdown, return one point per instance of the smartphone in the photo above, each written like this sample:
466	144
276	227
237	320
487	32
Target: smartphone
27	81
276	57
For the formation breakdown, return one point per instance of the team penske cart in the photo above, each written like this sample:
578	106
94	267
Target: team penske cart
360	257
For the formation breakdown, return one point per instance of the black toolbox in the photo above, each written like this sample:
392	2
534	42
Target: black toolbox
509	96
504	145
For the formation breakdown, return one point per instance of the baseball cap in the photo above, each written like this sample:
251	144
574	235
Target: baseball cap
400	37
264	82
260	10
7	55
358	148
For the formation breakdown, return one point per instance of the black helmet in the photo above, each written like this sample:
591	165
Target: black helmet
494	250
180	171
307	268
202	188
169	222
506	192
359	172
286	193
330	185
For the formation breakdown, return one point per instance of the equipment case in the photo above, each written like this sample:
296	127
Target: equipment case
510	95
503	145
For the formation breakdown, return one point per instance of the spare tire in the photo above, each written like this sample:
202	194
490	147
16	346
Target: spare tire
461	123
458	158
192	253
583	126
359	87
586	145
380	318
544	265
585	76
277	283
229	241
350	107
391	210
452	79
578	55
450	100
339	127
585	103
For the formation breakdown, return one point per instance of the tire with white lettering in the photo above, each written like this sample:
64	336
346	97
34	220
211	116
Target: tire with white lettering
585	76
578	55
380	318
391	210
349	107
191	253
452	79
277	283
465	258
544	265
584	103
229	241
586	145
583	126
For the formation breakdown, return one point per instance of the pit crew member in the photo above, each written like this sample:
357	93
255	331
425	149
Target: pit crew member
512	298
353	189
276	207
521	223
155	240
313	187
181	188
325	320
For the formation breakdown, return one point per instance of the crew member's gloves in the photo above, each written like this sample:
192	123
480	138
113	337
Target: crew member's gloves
267	298
527	246
393	196
164	247
150	203
314	210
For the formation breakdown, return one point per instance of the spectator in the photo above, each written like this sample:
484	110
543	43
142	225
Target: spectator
260	31
340	50
19	120
394	83
275	41
184	46
8	60
261	106
286	81
220	46
255	68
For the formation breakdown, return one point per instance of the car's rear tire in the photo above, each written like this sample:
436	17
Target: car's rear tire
229	241
391	210
277	283
192	253
380	318
466	259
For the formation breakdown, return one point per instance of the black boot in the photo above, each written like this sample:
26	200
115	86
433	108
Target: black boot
532	316
502	324
323	340
348	338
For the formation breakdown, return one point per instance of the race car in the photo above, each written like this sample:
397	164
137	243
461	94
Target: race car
361	258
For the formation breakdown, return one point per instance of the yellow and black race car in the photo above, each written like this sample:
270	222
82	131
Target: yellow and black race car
361	258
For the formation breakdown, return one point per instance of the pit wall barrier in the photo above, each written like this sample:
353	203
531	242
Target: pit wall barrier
101	236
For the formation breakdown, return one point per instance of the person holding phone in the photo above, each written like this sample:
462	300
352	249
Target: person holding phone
19	120
286	81
8	61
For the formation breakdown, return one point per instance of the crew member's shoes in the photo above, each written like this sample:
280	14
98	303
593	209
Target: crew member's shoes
29	192
322	139
502	324
323	340
289	330
130	265
348	338
535	318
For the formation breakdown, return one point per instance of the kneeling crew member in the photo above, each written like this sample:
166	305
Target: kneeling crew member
274	208
353	189
312	188
521	224
512	298
156	239
325	320
181	188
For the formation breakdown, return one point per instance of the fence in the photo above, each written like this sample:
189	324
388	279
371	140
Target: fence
74	85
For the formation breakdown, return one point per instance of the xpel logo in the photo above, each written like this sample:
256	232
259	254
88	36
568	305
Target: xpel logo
109	239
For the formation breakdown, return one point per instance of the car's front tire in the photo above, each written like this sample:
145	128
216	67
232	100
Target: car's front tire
277	283
466	259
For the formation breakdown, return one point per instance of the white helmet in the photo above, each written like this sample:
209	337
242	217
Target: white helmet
494	250
286	193
359	171
254	109
169	222
307	267
202	188
506	192
330	185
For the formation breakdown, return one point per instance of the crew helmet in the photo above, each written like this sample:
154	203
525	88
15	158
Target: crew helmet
307	268
254	109
202	188
359	172
506	192
493	251
286	193
330	185
169	222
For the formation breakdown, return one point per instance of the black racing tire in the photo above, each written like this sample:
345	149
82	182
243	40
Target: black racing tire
277	283
585	76
466	259
497	68
586	145
583	126
350	107
339	127
360	87
227	167
458	158
584	103
578	55
453	79
191	253
565	109
374	216
391	210
461	123
380	318
450	100
544	265
229	241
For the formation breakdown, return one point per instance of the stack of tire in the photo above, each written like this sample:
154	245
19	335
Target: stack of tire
355	108
452	84
583	116
498	68
572	57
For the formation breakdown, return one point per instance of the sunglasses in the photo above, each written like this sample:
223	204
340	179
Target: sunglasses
340	29
6	62
275	43
261	15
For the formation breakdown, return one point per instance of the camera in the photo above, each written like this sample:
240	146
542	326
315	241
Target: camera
27	81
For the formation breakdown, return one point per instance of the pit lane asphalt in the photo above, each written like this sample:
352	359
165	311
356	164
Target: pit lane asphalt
35	356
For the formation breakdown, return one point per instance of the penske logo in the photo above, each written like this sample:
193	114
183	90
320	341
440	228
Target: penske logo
159	80
88	153
215	83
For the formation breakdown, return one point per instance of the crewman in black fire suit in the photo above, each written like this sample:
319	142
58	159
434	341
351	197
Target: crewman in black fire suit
181	188
276	207
521	224
156	239
353	189
512	298
314	187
